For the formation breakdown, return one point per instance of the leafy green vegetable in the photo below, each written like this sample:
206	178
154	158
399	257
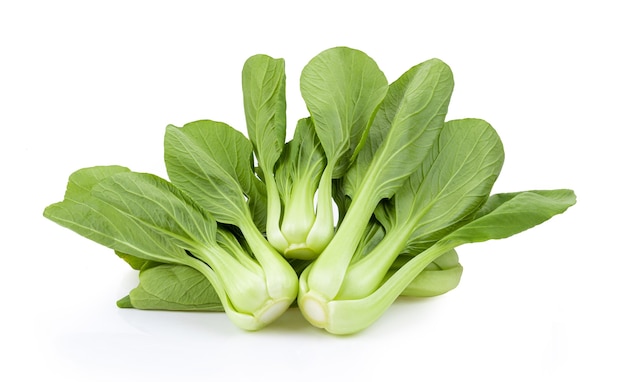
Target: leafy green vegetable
342	89
147	217
297	176
412	115
453	182
502	216
263	83
246	225
212	162
218	184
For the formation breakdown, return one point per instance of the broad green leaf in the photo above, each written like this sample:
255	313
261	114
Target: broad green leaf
134	261
173	287
99	222
82	181
160	206
207	177
263	82
342	88
507	214
454	181
206	160
404	129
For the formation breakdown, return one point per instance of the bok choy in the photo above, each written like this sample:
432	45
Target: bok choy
368	200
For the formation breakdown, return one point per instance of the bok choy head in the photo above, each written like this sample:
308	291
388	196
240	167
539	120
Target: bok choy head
342	89
149	218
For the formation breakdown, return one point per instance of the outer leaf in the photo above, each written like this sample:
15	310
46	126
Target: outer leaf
253	294
207	177
144	216
507	214
78	198
205	159
135	262
453	182
342	88
82	181
173	287
160	206
105	225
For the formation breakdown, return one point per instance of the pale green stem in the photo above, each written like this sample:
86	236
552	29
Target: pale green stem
351	316
299	213
242	320
281	279
323	228
274	211
328	271
245	287
233	247
365	276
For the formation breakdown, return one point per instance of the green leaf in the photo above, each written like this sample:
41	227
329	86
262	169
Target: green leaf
145	216
454	181
173	287
97	221
210	161
135	262
253	293
342	88
507	214
124	302
263	83
159	205
404	129
211	179
78	192
82	181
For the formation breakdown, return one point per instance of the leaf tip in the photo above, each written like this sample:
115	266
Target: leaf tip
124	302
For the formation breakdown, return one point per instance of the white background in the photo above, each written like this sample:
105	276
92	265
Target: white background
90	83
